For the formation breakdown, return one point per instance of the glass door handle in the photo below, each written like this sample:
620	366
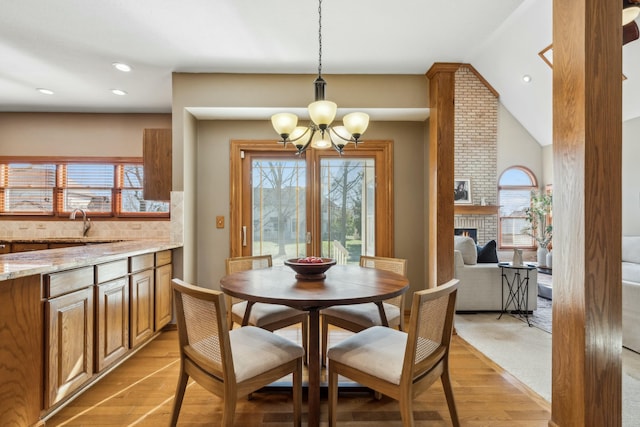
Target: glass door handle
308	237
244	235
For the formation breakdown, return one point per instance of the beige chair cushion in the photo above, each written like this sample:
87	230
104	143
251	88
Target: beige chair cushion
365	314
257	350
378	351
467	248
264	314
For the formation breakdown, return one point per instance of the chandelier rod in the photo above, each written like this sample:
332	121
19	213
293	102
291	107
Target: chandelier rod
319	83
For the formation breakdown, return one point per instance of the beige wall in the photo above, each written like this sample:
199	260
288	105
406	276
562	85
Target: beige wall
79	135
74	134
516	146
203	149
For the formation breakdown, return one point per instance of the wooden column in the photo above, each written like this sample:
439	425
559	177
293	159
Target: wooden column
441	155
587	149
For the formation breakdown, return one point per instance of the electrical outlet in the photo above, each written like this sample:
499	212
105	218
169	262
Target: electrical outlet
219	222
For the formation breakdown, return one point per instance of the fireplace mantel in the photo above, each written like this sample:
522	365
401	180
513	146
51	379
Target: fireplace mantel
475	210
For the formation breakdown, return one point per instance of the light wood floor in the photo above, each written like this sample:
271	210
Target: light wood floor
140	393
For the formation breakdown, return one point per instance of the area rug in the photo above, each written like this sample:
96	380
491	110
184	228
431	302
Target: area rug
541	316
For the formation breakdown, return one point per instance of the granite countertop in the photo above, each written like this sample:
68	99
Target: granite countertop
60	240
21	264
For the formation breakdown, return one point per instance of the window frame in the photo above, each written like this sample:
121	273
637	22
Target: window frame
61	163
534	186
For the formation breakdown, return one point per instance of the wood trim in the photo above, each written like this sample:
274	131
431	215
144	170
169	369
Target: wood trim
587	157
381	150
441	171
475	210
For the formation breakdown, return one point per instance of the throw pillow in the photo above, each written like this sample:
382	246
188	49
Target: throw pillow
467	248
488	253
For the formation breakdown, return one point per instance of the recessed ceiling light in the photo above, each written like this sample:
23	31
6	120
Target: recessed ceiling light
45	91
118	92
122	66
526	78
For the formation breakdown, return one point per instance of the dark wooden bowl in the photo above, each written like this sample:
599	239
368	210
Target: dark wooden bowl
308	270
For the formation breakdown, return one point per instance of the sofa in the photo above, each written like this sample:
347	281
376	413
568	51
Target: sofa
480	287
631	292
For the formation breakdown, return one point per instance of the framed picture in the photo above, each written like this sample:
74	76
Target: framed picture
462	191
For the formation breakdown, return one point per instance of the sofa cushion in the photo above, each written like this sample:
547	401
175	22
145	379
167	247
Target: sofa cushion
488	253
631	272
631	249
467	248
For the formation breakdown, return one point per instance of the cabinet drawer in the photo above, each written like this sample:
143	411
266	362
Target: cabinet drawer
163	258
141	262
68	281
111	270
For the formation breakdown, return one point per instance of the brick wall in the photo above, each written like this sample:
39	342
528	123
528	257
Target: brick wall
476	124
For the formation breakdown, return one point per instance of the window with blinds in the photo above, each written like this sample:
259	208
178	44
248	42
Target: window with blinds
57	188
28	188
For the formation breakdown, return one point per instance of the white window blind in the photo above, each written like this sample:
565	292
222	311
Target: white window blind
89	187
28	188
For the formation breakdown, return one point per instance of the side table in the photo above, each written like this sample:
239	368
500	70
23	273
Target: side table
517	287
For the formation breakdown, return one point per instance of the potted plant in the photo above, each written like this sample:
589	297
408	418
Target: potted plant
538	216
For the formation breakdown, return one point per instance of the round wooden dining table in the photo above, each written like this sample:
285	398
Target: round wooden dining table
344	284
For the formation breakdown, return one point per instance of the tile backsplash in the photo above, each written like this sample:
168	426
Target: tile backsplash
107	230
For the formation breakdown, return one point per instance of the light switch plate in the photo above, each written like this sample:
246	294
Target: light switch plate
219	222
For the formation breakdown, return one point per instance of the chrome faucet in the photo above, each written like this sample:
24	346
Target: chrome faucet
86	222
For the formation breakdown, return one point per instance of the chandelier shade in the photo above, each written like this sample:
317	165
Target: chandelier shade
630	11
320	134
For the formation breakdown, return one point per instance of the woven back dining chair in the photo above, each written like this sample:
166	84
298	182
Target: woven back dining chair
401	364
267	316
357	317
229	364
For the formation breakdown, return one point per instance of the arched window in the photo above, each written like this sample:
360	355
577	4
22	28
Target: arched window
514	196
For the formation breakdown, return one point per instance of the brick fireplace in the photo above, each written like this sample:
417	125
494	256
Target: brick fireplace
476	147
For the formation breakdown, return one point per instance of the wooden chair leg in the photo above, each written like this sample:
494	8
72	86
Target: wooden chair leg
325	342
305	340
333	397
406	410
177	401
448	392
229	410
297	396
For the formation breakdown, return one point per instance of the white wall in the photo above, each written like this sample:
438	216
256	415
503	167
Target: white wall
631	177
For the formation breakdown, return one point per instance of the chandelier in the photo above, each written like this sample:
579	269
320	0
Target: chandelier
322	112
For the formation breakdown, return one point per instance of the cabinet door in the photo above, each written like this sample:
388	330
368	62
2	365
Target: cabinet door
156	154
112	322
69	340
163	296
141	301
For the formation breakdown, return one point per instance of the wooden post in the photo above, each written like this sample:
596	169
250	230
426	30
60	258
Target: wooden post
587	149
441	164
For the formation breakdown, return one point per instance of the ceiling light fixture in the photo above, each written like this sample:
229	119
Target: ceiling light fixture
630	11
322	112
45	91
526	78
118	92
122	67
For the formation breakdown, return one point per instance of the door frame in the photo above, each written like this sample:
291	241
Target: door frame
381	150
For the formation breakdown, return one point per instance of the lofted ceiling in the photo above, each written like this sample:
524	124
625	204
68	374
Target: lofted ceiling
69	46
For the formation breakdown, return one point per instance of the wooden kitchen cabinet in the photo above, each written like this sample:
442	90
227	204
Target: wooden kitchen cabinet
156	154
141	299
112	313
26	247
69	341
163	294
